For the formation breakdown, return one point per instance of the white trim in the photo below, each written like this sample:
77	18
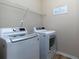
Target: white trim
8	3
67	55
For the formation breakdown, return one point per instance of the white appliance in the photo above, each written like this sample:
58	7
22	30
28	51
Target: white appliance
16	43
47	42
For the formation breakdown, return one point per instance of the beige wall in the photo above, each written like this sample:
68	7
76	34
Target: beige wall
34	5
11	17
66	25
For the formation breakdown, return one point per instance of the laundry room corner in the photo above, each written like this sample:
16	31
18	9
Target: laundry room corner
66	24
46	29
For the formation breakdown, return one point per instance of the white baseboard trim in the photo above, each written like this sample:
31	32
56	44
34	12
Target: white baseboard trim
67	55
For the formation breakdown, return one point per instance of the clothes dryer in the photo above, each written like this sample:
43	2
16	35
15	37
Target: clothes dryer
47	42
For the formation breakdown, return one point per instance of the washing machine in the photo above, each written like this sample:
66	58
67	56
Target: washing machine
16	43
47	42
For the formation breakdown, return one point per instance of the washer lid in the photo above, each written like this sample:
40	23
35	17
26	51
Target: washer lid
22	38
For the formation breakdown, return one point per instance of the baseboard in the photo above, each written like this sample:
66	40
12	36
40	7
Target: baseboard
67	55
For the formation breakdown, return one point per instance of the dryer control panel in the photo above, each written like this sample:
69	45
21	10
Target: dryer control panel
39	28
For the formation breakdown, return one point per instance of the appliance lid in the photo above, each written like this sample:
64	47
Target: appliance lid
46	31
22	38
49	32
40	30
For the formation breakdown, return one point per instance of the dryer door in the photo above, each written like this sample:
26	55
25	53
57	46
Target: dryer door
52	40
